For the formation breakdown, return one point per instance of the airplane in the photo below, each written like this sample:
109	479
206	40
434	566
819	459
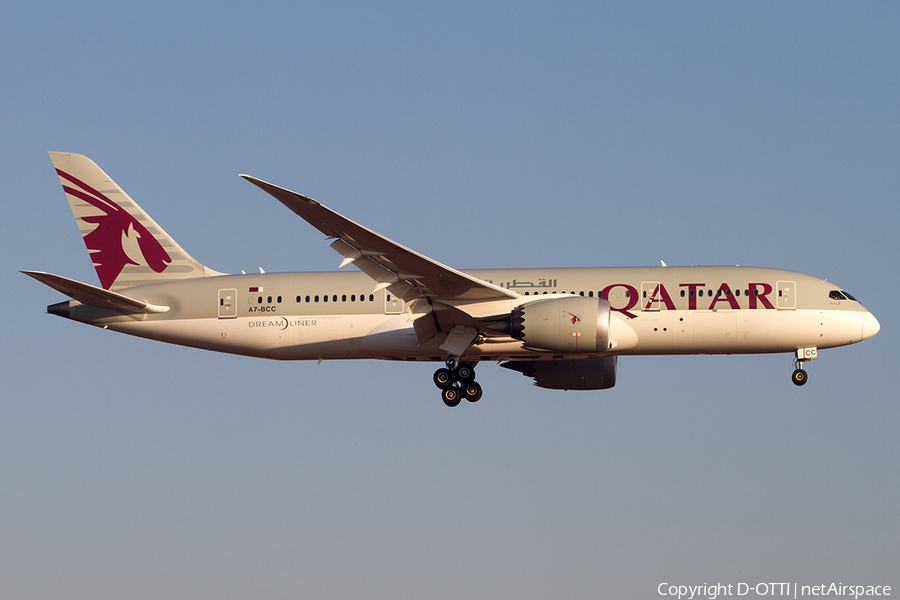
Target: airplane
563	327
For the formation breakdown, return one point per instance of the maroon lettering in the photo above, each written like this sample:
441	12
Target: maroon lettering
724	294
631	294
692	293
660	295
761	296
758	294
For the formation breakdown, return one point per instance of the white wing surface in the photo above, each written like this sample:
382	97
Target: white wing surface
406	273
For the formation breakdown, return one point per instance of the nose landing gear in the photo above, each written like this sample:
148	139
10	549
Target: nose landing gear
457	381
799	376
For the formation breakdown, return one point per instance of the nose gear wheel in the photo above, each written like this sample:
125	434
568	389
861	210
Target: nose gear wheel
799	376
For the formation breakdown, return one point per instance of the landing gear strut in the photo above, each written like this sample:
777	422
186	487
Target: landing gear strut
457	381
799	376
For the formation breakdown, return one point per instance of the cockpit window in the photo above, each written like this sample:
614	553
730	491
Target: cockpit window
849	297
836	295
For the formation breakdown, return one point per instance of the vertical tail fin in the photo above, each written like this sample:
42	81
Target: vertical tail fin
126	246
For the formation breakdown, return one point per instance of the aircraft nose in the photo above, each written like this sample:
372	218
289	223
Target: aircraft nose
871	326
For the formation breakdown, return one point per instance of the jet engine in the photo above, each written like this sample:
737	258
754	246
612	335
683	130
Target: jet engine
567	325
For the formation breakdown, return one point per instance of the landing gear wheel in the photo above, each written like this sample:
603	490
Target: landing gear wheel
451	396
472	392
799	377
465	374
443	378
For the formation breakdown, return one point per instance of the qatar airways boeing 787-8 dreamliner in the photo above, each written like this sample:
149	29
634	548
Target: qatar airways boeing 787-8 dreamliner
563	327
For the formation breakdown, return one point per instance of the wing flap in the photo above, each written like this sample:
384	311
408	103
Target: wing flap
94	296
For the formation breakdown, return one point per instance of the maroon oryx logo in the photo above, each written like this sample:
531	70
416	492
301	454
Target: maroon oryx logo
574	318
118	238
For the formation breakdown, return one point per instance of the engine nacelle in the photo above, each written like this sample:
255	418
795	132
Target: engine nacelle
584	374
567	325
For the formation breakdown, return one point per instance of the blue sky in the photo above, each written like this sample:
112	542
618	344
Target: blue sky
482	135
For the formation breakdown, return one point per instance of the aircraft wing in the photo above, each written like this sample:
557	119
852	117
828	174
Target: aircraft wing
408	274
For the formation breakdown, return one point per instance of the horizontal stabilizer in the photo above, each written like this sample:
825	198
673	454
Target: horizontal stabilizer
95	296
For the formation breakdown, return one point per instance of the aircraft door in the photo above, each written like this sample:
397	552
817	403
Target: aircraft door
227	305
787	295
650	296
392	304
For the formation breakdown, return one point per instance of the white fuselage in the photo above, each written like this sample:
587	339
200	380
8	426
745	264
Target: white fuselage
662	310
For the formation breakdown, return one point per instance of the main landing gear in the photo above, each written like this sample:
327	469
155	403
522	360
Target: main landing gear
457	381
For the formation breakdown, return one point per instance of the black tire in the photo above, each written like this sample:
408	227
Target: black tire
451	397
799	377
472	391
443	378
465	374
